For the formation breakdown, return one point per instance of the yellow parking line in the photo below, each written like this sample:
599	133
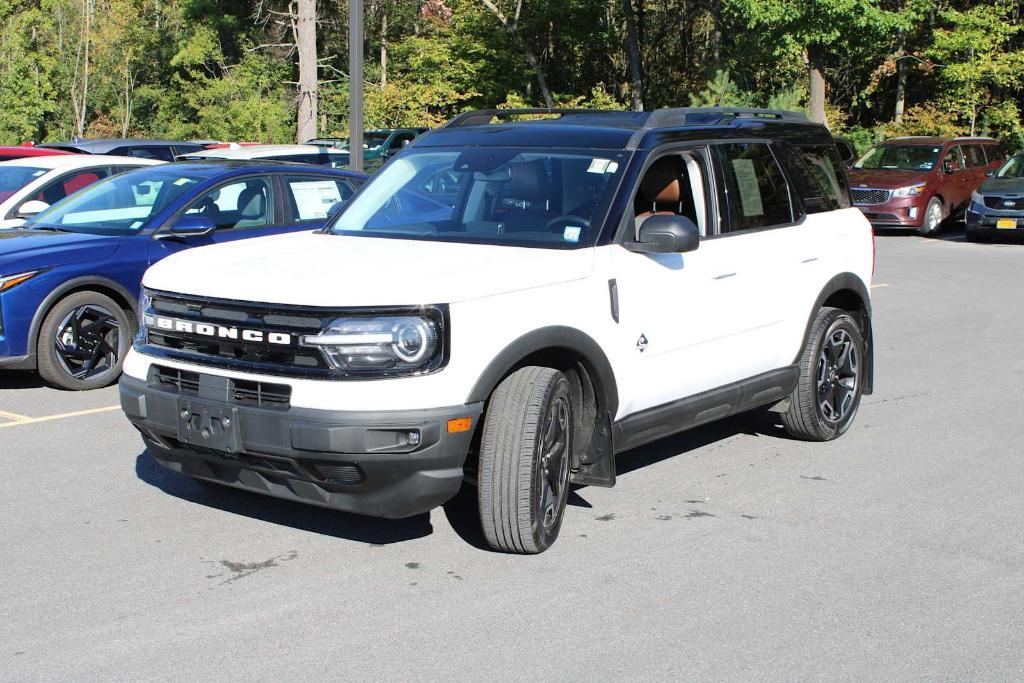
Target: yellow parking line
61	416
13	416
880	284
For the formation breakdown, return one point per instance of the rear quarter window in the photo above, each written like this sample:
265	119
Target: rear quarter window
818	177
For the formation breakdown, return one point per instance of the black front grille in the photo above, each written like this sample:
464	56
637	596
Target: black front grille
243	392
226	326
1005	203
339	474
261	394
867	197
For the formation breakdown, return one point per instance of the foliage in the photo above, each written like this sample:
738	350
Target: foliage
225	69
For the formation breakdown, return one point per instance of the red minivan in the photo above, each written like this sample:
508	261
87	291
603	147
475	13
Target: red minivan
919	182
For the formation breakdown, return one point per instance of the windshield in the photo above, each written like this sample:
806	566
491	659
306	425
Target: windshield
1014	168
13	178
900	158
503	195
119	205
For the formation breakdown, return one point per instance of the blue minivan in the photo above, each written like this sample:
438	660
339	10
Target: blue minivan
69	278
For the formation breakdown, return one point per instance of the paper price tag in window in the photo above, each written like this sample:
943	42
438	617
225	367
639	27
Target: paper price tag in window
598	165
315	197
571	233
750	191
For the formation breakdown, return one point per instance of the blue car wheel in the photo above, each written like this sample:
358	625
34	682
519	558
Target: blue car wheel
83	341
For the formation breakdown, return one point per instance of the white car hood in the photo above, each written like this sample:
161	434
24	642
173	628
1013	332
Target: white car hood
313	269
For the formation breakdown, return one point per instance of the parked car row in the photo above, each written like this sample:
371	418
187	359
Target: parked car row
921	183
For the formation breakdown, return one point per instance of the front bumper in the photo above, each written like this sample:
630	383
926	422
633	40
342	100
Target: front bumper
898	212
983	221
362	462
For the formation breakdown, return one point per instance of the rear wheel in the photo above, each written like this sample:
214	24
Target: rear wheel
525	450
828	393
934	215
83	341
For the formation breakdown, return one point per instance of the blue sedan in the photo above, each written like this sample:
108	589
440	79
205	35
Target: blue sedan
69	278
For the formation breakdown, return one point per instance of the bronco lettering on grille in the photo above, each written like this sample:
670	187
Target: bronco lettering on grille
217	331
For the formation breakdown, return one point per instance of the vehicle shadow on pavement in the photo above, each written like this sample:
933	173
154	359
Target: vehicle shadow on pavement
754	423
310	518
20	379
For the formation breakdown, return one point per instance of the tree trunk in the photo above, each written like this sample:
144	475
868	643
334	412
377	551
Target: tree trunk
633	44
816	83
86	37
383	44
305	43
901	77
512	26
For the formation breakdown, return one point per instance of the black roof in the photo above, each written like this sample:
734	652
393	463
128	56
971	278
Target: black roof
599	129
104	145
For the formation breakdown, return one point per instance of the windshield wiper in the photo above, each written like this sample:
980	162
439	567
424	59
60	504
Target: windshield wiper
51	228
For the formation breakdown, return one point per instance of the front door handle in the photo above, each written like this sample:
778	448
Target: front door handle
723	276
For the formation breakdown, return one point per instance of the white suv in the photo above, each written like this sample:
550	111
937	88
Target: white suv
506	306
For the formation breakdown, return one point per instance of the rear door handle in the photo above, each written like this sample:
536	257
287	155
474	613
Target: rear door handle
810	260
723	276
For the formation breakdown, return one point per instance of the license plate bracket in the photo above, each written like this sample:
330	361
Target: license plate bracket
1006	223
209	425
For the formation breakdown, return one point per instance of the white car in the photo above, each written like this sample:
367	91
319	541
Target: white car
509	306
30	185
300	154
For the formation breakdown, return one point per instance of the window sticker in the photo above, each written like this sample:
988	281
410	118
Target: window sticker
750	192
572	233
182	181
314	198
599	165
612	167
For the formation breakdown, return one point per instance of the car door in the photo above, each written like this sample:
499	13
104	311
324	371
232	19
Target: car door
240	208
956	183
679	314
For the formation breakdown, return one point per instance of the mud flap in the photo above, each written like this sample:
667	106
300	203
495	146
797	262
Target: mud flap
598	466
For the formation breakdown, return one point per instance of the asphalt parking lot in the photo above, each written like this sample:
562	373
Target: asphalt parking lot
728	552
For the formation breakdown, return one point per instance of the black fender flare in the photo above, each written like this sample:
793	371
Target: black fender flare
59	292
850	282
551	338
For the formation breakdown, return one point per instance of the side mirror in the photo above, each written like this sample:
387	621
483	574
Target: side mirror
192	225
666	234
31	208
950	169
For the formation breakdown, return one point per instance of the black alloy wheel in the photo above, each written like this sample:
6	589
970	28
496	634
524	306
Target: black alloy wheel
83	341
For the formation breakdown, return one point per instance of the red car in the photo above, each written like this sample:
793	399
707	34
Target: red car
919	182
27	150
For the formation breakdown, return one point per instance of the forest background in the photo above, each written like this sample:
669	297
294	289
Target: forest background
276	70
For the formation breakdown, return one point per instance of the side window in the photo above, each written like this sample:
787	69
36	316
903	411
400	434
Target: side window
975	156
953	161
756	192
243	204
817	173
993	154
70	183
676	184
312	198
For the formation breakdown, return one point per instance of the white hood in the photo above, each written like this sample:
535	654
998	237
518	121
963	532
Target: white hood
335	270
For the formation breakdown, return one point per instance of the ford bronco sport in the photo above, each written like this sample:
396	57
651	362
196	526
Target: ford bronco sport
509	304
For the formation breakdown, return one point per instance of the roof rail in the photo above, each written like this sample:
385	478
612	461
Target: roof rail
484	116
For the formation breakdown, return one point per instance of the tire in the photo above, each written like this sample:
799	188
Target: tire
828	392
522	490
934	217
83	342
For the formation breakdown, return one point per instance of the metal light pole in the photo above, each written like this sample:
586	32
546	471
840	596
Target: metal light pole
355	85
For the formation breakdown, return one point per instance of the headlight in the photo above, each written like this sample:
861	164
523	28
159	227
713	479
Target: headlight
977	198
911	191
145	302
9	281
384	345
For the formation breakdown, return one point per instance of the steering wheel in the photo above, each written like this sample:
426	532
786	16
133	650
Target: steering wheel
567	219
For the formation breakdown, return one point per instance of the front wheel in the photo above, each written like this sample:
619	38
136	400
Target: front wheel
828	392
83	341
933	217
524	460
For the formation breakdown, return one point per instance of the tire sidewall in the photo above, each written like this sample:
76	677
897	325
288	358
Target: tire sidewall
836	321
49	365
927	212
544	538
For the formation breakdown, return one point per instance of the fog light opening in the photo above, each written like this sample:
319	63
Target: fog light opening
912	212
